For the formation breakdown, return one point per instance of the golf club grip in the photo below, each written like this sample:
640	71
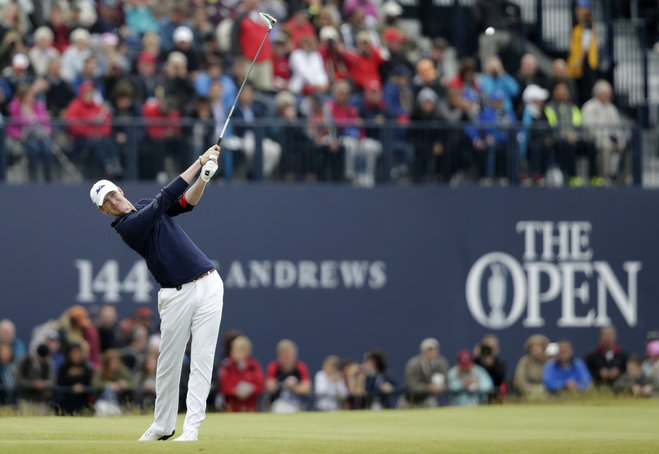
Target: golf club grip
219	142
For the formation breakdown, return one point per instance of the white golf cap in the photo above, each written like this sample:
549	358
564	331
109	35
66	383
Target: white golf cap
20	61
183	34
391	8
100	190
534	93
552	349
328	32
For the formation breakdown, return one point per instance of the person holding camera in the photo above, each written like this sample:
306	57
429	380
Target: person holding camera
495	79
330	49
486	355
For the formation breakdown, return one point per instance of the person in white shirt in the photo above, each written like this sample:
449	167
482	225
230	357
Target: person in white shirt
43	52
75	55
308	74
605	127
330	388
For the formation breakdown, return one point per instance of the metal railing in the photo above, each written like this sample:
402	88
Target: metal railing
364	154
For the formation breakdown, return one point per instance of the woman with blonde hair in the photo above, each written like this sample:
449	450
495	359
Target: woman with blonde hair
241	377
529	370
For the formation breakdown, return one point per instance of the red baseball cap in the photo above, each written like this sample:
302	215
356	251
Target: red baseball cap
465	360
392	34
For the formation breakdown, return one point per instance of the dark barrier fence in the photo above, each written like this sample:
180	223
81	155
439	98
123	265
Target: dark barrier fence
342	270
363	153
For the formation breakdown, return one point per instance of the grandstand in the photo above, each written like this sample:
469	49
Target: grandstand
131	48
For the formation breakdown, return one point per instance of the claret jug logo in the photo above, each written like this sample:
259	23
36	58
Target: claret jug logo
557	268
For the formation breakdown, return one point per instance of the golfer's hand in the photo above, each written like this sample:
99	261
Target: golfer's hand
208	170
212	153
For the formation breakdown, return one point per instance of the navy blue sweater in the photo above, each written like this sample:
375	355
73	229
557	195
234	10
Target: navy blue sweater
170	254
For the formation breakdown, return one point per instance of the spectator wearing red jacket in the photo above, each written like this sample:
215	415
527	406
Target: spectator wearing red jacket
89	123
164	146
364	62
280	66
287	379
247	34
241	377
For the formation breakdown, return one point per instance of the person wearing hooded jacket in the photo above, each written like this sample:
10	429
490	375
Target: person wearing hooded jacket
89	124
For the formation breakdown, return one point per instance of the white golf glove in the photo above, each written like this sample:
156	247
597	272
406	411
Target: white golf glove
209	169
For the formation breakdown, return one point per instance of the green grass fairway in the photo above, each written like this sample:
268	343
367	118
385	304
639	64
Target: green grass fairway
615	427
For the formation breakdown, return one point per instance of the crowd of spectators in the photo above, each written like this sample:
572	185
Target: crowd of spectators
106	366
136	83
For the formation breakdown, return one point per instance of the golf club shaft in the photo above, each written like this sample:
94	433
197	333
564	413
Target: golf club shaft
235	101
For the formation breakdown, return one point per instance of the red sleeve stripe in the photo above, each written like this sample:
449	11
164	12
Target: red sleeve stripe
183	201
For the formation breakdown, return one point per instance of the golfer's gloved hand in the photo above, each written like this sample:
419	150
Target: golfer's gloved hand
209	169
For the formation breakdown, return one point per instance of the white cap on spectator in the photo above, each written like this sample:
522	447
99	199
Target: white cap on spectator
392	8
284	98
20	61
534	93
328	32
43	32
183	34
80	34
552	349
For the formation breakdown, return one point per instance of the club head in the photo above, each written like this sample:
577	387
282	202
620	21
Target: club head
268	20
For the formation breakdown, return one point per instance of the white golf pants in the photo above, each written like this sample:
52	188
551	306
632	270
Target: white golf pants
194	309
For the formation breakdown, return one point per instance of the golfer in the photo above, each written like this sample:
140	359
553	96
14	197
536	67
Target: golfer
191	298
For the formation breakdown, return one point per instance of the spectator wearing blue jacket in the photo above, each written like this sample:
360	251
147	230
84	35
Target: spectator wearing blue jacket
492	136
566	371
215	72
495	79
139	17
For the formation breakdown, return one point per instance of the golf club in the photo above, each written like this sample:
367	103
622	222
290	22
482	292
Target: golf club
270	22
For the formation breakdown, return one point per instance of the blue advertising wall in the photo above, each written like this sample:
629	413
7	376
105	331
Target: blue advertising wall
342	270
